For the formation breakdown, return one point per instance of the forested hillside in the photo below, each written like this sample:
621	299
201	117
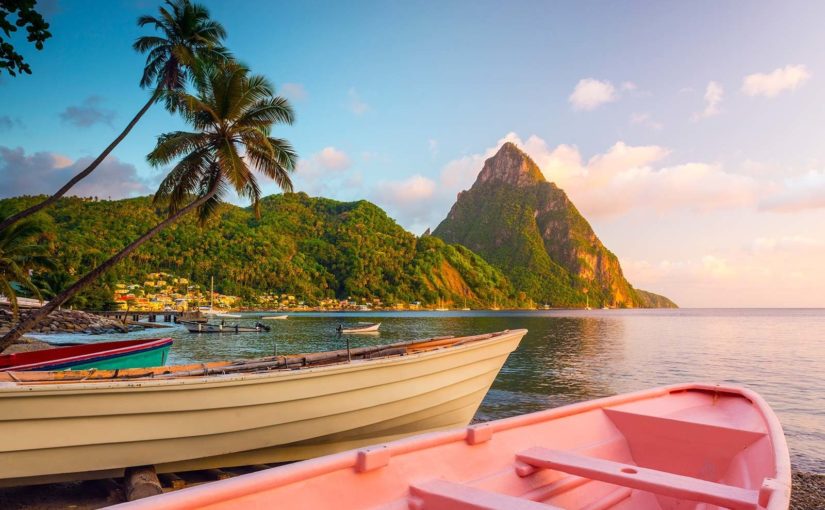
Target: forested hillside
310	247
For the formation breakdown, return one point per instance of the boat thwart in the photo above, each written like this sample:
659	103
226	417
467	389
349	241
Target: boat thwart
224	414
688	446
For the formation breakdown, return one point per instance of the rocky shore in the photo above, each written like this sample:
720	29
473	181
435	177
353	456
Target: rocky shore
66	321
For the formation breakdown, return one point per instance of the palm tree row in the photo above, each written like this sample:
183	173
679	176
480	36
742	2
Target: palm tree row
231	112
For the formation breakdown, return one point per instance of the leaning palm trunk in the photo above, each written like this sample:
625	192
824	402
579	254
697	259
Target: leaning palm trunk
38	315
14	218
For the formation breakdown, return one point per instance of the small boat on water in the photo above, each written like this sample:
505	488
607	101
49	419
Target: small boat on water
100	355
688	446
228	315
94	424
200	327
275	317
362	327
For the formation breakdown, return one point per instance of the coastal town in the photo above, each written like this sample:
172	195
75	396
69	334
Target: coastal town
161	291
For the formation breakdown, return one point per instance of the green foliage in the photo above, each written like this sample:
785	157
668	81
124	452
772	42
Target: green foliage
24	248
314	248
233	115
188	41
36	27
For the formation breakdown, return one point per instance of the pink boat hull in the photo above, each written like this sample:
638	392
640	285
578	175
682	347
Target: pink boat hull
691	446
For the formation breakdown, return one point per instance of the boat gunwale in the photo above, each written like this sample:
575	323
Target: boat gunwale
9	388
225	490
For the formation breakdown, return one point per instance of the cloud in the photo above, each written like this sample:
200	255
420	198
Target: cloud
294	91
432	145
713	96
88	113
324	172
779	80
628	177
409	199
797	193
590	93
45	172
784	243
331	158
355	104
629	85
7	123
644	119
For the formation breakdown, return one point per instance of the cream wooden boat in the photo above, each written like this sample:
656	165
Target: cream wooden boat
93	424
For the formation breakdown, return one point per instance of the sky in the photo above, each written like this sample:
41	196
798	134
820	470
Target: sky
690	134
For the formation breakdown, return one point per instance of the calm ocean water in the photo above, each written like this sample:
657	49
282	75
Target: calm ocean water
571	356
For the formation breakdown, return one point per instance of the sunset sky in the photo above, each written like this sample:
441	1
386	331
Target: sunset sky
691	135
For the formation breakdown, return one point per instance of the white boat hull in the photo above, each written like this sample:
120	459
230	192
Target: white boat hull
372	328
74	430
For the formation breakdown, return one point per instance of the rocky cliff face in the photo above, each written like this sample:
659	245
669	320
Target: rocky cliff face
530	229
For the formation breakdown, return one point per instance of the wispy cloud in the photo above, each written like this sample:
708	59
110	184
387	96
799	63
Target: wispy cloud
591	93
773	83
714	93
355	104
646	120
432	145
7	123
88	113
294	91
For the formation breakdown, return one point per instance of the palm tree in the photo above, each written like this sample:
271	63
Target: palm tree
20	253
232	116
188	38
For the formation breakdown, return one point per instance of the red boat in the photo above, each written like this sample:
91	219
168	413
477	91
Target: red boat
102	355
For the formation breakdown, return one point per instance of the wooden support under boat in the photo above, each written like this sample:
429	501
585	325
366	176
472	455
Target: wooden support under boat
141	482
172	480
218	474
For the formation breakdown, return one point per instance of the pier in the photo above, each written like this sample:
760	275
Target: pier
151	316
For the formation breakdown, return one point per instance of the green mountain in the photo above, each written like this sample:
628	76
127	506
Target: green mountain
313	248
529	228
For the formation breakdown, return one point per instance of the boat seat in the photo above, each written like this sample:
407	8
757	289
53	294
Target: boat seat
445	495
635	477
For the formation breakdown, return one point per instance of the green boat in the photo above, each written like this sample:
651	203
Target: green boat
151	352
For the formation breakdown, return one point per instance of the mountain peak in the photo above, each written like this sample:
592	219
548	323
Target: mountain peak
511	166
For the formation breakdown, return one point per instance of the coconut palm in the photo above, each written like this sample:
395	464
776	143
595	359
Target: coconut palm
20	253
188	38
232	117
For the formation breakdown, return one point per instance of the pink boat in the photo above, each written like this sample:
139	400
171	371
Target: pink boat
689	446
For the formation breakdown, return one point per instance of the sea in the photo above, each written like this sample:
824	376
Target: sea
570	356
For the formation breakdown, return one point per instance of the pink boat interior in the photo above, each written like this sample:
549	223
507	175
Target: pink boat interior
688	447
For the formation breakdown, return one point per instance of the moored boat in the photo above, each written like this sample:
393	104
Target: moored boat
688	446
100	355
223	414
363	327
274	317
